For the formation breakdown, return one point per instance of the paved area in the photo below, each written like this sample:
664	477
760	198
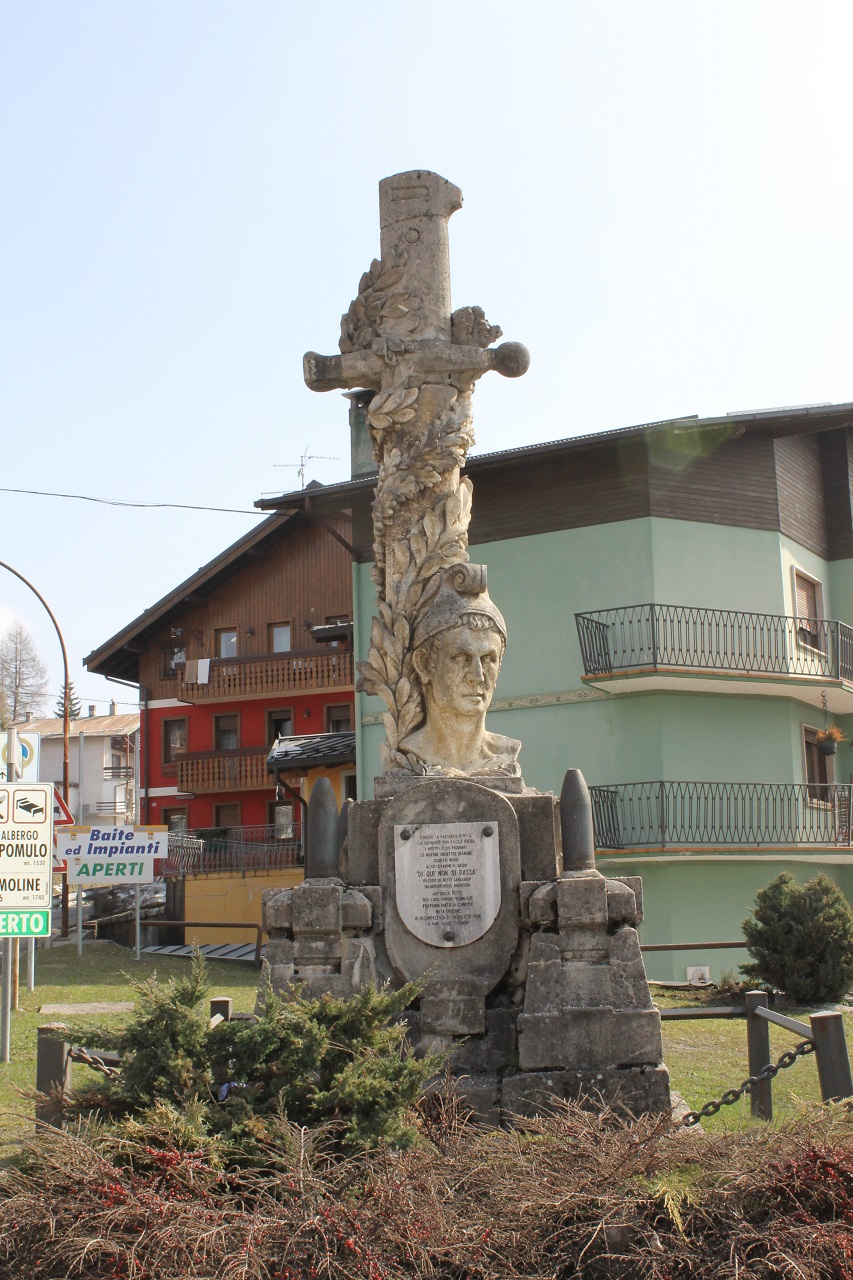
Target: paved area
95	1006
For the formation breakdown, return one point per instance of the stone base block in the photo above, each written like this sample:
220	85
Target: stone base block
492	1052
277	909
631	1091
482	1094
582	901
456	1015
589	1039
317	907
539	831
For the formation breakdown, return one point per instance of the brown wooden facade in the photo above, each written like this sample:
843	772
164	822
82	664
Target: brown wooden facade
301	578
791	472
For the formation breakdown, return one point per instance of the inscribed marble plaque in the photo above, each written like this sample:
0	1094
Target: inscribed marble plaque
448	880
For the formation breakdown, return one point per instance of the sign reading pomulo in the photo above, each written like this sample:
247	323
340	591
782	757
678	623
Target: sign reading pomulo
448	880
26	854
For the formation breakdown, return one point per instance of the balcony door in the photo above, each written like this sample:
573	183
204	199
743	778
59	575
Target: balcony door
818	769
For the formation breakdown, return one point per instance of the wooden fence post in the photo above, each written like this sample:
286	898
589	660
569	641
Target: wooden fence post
221	1005
833	1063
758	1046
53	1072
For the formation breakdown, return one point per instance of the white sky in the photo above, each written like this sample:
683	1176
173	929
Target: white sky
658	199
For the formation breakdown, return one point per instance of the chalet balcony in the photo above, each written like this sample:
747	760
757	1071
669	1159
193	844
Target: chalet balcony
244	769
269	674
722	815
655	646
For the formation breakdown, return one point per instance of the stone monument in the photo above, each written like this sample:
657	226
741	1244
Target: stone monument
457	875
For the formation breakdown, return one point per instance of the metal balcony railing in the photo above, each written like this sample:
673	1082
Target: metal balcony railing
660	815
649	637
269	674
237	850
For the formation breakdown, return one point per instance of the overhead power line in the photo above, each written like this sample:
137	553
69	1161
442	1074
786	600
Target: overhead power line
118	502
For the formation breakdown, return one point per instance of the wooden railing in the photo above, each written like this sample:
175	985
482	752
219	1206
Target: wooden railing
242	770
270	674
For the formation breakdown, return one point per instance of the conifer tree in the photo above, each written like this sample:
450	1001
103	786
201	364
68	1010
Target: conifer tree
800	938
74	707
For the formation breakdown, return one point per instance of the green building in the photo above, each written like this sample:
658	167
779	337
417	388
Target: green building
679	602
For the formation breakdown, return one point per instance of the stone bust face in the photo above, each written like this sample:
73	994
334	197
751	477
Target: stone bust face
458	669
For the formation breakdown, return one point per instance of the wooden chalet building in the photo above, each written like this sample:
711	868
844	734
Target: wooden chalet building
254	647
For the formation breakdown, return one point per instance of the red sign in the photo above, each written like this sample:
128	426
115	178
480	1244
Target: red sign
61	818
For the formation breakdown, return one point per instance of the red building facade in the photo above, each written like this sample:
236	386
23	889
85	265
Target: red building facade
255	646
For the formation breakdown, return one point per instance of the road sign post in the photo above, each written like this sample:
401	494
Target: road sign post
26	882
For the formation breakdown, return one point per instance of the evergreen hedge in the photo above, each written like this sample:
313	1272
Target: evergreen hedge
800	938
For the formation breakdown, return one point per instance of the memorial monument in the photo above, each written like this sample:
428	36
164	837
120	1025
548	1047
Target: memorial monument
457	875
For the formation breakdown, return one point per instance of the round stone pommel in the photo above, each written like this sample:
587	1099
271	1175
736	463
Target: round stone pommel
512	359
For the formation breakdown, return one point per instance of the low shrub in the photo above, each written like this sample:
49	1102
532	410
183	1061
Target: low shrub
800	938
307	1062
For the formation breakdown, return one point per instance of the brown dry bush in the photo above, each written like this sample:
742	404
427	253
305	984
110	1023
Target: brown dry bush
579	1195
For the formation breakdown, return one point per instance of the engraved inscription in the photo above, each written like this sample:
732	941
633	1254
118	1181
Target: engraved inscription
448	880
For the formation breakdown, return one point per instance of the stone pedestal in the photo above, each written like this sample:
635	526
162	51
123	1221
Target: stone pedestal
533	981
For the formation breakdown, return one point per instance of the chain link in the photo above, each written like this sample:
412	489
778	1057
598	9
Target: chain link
79	1054
788	1058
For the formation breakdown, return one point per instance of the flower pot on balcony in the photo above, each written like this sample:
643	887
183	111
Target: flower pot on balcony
827	746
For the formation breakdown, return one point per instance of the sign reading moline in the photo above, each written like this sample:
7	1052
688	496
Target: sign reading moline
448	880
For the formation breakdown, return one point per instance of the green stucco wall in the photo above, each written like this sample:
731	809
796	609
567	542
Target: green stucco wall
540	582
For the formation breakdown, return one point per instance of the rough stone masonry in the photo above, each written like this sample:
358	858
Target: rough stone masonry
456	874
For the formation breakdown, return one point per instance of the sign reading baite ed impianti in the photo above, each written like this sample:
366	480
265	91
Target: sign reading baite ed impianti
112	855
26	855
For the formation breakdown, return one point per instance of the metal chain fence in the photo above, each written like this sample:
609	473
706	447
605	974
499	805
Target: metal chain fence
788	1058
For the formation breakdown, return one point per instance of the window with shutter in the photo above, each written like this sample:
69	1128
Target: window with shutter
809	629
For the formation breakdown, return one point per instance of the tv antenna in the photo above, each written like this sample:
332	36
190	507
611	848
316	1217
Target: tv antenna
303	459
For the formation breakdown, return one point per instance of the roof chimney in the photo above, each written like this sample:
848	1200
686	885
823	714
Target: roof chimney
91	709
113	710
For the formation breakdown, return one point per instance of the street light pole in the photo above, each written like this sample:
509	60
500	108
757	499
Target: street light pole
65	723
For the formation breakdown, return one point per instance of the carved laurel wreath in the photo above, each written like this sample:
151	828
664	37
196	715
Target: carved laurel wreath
382	318
438	542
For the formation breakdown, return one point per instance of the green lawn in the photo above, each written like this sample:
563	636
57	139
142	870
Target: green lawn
707	1056
704	1057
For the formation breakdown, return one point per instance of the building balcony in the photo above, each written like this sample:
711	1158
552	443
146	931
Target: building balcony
117	772
212	771
655	646
236	850
693	816
268	675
